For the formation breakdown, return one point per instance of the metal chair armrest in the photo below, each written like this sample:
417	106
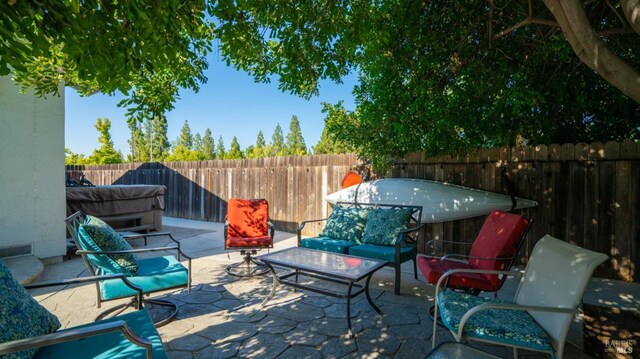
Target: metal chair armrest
447	274
147	235
131	251
304	223
450	256
75	334
403	235
509	306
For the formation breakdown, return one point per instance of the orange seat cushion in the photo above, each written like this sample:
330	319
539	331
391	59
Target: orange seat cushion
248	223
265	241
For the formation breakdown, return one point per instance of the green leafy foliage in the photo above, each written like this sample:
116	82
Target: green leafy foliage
144	49
336	116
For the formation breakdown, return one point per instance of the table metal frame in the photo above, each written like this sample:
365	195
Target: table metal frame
350	282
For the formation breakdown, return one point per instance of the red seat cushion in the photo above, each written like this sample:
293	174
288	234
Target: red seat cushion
433	268
248	223
265	241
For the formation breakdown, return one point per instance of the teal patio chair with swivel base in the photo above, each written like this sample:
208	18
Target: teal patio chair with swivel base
104	251
31	331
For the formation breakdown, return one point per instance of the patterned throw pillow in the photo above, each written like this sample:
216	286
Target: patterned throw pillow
383	225
346	224
20	315
107	239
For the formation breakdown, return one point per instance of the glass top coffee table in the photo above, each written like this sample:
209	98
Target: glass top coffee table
326	267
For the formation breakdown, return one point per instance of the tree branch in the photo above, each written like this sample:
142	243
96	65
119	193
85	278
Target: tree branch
631	10
591	50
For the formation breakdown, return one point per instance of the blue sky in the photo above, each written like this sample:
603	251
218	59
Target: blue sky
230	104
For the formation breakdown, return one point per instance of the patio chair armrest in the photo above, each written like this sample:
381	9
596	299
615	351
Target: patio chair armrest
453	256
75	334
404	235
147	235
129	251
304	223
447	274
509	306
431	243
96	278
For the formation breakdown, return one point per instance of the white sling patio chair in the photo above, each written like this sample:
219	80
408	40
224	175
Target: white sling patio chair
547	298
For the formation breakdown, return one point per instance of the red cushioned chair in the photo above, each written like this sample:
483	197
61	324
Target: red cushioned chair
247	230
496	248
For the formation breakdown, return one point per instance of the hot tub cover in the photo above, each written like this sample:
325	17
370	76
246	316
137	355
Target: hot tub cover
115	200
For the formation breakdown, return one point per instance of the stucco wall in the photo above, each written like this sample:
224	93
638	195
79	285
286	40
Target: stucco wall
32	192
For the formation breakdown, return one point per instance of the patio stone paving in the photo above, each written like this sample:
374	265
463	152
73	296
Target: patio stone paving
222	316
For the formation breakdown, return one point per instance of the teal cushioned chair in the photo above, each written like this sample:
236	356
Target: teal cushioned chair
132	335
153	274
545	303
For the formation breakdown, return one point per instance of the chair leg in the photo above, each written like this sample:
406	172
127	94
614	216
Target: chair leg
415	269
397	284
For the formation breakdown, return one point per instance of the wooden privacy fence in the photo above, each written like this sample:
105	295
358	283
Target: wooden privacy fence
588	194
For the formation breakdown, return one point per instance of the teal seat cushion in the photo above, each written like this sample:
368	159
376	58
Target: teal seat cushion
384	253
384	225
509	327
327	244
107	239
20	315
110	345
346	224
154	274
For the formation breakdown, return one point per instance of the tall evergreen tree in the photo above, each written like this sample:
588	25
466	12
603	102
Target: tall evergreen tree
107	152
197	142
208	145
159	142
235	152
137	143
276	147
183	149
186	138
257	150
295	142
221	152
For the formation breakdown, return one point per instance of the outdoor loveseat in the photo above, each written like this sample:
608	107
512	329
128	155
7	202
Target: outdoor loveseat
371	230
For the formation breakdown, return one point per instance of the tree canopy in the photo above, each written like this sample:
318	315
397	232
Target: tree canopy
440	76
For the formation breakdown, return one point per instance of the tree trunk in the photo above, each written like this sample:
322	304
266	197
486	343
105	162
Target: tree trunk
591	50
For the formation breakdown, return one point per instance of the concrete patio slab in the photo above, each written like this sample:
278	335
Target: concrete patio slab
222	316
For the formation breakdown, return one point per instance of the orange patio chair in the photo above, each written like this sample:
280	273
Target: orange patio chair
248	230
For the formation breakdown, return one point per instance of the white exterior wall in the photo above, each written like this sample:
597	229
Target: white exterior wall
32	189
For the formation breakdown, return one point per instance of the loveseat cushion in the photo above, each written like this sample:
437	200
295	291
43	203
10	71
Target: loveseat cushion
111	345
20	315
384	225
346	224
107	239
385	253
328	244
154	274
510	327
